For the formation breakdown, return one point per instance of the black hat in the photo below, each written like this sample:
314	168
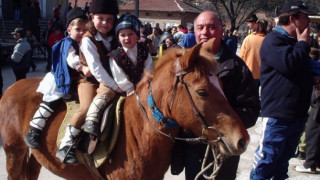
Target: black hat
296	5
128	21
104	7
252	18
19	31
74	13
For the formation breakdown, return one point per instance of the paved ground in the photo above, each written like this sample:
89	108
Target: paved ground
244	166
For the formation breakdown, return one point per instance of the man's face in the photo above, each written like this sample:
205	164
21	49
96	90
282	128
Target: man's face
250	24
173	31
302	22
155	31
16	37
207	26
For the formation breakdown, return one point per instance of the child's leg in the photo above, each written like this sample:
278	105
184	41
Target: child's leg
45	110
66	152
67	148
104	95
86	92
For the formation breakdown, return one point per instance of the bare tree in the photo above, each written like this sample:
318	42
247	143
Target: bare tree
236	12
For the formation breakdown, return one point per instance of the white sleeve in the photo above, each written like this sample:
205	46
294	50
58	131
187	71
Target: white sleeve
120	77
73	60
90	52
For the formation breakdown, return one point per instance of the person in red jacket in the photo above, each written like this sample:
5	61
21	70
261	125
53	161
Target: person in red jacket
55	36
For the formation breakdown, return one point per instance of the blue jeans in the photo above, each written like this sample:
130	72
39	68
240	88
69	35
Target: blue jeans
279	141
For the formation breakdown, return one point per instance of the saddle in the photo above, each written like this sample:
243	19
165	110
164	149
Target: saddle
94	153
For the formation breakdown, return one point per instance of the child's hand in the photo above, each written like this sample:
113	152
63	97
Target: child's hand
86	71
130	93
118	90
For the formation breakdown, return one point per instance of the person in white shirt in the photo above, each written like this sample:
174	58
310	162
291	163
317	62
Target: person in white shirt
97	90
129	67
96	43
53	86
127	63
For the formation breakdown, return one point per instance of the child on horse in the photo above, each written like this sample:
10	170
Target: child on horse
95	45
56	84
132	59
127	64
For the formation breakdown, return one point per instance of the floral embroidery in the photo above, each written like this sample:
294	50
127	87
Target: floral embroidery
134	73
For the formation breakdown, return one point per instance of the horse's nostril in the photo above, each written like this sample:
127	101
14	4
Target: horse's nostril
242	144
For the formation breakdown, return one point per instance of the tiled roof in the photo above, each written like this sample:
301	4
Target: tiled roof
162	5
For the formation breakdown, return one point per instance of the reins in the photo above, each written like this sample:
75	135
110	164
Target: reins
169	123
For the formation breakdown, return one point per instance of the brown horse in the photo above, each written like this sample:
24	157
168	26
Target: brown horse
184	88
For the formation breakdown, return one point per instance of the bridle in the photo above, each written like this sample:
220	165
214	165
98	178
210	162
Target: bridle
169	123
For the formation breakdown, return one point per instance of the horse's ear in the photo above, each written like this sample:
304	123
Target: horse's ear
190	56
207	49
201	50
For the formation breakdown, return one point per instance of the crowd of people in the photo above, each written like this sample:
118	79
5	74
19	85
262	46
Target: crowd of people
276	62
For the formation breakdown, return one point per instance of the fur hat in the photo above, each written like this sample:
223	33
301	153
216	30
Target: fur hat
74	13
104	7
128	21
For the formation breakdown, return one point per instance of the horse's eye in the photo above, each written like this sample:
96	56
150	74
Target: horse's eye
202	92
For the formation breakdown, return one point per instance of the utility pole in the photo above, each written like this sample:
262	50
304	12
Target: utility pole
136	10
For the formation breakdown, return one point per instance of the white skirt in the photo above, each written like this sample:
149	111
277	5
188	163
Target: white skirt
49	89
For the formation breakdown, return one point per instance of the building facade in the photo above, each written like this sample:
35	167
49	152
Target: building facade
164	12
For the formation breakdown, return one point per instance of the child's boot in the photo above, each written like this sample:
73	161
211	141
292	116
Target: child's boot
67	149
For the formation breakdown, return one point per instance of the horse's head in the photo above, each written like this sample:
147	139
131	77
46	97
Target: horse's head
187	89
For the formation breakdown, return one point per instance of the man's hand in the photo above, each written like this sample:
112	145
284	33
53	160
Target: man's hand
304	36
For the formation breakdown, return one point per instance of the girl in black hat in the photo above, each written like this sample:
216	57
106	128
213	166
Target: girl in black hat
95	45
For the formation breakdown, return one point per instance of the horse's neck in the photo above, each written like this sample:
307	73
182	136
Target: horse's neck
140	127
150	147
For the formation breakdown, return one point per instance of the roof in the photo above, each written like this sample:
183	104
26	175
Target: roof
162	5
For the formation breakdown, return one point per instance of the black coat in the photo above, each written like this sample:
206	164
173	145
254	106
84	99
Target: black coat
239	86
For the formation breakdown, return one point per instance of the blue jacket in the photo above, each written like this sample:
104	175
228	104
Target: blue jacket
232	43
59	63
286	78
189	40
